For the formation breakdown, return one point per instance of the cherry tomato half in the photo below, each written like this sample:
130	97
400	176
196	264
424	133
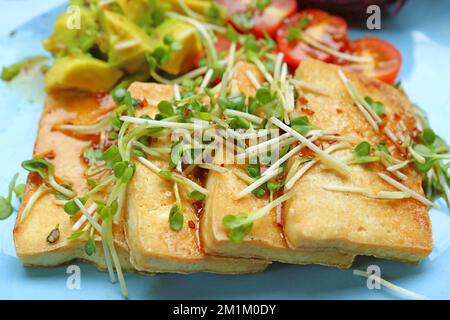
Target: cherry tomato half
322	27
246	18
387	60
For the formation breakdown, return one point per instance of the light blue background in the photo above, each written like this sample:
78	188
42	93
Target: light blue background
421	32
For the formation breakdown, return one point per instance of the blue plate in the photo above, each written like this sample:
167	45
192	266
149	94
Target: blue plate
421	32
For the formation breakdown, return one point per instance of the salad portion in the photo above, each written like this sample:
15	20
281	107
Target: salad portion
118	42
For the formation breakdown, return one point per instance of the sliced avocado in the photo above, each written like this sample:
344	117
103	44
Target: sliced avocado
186	35
128	44
67	37
82	73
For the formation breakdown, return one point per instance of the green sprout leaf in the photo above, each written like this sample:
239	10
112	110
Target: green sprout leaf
236	102
39	166
232	34
166	174
75	235
239	123
254	170
158	15
45	170
274	185
90	247
92	155
423	150
267	42
427	151
263	95
19	190
10	72
265	102
71	208
112	155
6	208
382	147
176	154
362	153
119	168
376	106
124	171
166	108
176	218
233	221
428	137
161	55
119	95
241	224
197	195
259	192
238	228
301	124
424	167
250	45
213	12
238	234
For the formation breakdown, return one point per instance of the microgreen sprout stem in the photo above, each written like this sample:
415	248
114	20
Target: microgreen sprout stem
6	208
102	125
32	200
241	224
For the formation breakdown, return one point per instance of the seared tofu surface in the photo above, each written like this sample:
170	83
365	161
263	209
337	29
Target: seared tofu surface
317	218
266	239
155	247
65	152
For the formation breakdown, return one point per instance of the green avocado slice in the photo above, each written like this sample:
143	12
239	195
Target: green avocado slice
81	73
72	36
128	43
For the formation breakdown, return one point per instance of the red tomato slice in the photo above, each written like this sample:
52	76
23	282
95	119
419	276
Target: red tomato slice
387	59
260	22
327	29
222	43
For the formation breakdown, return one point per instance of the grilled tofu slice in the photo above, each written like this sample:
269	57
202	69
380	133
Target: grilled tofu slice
265	240
154	247
66	154
317	218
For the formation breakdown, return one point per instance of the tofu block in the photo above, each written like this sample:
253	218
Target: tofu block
319	219
30	235
154	247
266	239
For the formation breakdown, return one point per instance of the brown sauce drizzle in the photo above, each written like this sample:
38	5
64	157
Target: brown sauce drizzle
307	111
191	224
